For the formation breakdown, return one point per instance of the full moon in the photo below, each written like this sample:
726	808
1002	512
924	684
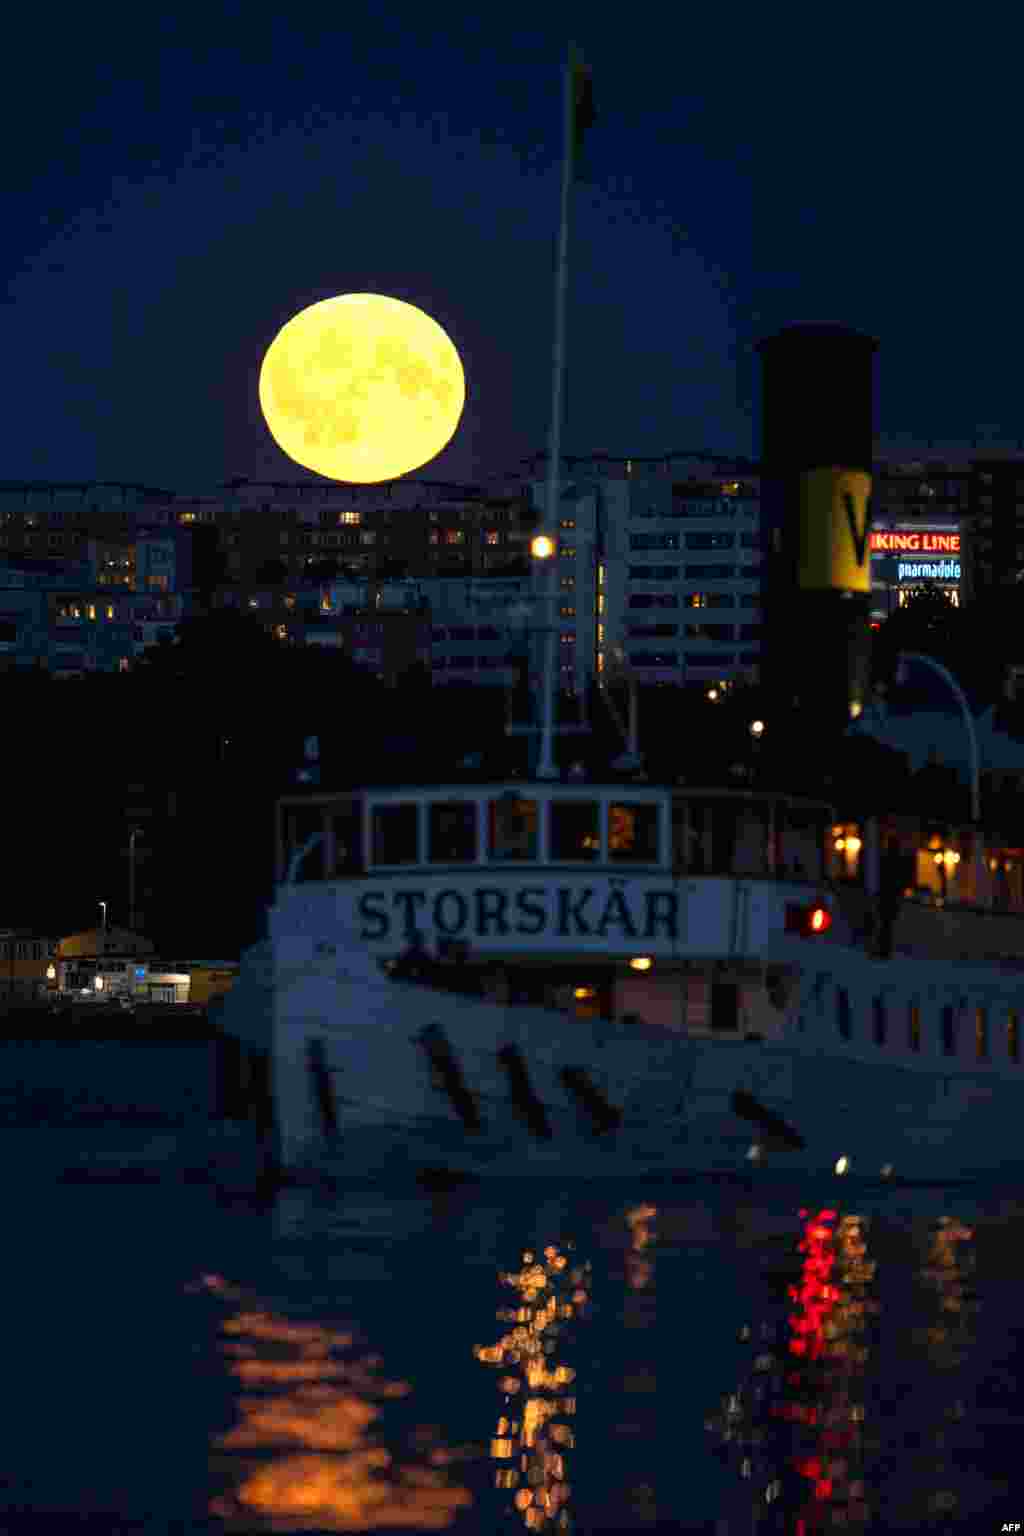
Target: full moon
362	388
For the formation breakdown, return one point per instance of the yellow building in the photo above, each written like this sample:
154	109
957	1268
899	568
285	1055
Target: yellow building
25	959
109	963
209	979
104	961
93	942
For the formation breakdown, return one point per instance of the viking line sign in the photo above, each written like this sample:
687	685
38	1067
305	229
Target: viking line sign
884	542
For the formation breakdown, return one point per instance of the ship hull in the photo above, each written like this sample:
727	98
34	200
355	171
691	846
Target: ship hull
377	1093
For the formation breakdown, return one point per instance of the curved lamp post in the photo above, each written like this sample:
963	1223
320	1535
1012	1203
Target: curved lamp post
903	657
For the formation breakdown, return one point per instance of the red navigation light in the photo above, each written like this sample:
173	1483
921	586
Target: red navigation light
806	921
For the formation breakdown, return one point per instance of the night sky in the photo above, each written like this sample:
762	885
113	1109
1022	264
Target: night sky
178	187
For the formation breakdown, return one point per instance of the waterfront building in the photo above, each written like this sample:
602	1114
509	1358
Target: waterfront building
27	969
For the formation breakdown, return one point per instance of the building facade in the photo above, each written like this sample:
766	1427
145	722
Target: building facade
660	564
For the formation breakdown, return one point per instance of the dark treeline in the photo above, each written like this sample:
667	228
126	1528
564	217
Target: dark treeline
194	745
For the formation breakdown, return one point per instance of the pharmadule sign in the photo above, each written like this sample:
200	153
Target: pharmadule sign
834	525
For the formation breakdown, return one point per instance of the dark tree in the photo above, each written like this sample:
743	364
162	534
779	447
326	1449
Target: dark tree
927	622
272	573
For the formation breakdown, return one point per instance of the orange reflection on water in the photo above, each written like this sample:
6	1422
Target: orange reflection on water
532	1446
639	1269
316	1463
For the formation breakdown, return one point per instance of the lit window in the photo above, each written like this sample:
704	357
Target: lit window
254	602
568	611
600	633
633	832
110	611
492	537
512	828
454	536
280	632
567	522
289	601
92	610
600	603
567	583
575	830
353	519
568	552
915	1027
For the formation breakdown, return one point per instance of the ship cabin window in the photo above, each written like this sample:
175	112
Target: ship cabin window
878	1016
752	838
575	831
914	1031
394	834
301	824
512	828
451	832
347	830
710	835
948	1031
800	843
633	832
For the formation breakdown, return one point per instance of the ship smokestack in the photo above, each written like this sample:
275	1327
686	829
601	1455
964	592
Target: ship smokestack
817	450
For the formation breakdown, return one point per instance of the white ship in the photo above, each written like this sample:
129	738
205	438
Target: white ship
592	979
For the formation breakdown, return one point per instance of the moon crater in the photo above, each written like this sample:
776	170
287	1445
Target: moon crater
362	388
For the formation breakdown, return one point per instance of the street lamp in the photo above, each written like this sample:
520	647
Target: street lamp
131	878
980	881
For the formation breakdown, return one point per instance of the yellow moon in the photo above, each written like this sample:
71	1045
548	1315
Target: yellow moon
362	388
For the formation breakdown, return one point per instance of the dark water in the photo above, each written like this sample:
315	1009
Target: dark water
660	1357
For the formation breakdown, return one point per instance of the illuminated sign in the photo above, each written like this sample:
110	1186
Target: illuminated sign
834	523
928	570
914	543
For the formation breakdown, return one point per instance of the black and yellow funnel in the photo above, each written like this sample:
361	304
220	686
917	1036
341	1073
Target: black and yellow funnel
816	461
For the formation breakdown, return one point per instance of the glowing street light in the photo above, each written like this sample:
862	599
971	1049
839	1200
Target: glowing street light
757	729
542	546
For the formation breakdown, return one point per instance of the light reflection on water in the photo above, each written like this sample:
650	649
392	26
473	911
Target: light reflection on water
846	1419
862	1368
318	1459
534	1435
